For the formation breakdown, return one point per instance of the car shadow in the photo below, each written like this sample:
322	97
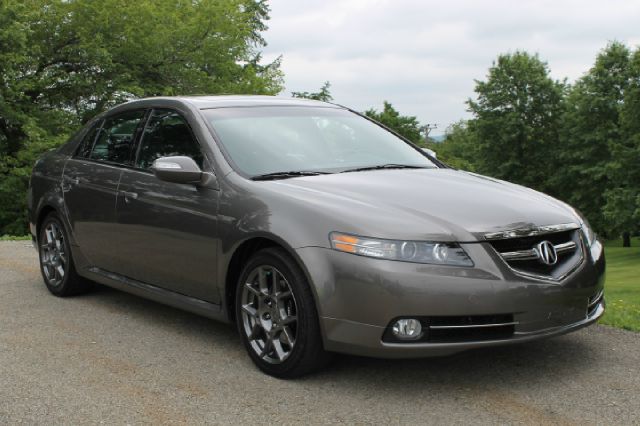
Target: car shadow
527	362
174	319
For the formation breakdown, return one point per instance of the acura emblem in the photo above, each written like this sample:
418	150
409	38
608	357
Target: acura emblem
547	253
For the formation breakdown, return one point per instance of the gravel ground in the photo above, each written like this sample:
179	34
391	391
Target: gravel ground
112	358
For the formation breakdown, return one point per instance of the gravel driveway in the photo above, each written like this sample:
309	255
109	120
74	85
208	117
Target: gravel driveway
112	358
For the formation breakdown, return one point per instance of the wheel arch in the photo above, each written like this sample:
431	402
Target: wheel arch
241	254
52	205
45	211
46	202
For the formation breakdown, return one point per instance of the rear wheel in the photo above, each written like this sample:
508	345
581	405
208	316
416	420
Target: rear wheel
56	262
276	316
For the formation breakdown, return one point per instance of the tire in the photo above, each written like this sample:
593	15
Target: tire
276	316
56	262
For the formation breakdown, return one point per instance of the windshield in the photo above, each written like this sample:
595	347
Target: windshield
262	140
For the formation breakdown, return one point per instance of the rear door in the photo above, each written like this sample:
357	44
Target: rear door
169	230
90	184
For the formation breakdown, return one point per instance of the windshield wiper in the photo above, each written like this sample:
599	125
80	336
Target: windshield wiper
285	175
384	166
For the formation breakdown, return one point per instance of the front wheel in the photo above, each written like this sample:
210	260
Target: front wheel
276	316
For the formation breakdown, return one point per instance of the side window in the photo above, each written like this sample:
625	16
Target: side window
115	139
166	134
87	143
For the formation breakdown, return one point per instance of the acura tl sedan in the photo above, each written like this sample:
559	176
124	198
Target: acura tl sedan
312	228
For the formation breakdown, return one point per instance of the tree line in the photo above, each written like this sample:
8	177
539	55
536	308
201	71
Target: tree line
578	142
64	61
405	125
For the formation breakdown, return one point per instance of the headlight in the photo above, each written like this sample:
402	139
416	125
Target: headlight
405	251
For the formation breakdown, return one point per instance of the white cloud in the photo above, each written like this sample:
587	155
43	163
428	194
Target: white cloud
423	56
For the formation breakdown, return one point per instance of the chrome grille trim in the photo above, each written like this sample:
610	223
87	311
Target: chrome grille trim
532	254
530	231
547	277
565	247
577	245
501	324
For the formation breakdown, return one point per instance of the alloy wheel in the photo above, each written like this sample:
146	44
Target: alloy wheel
53	254
269	314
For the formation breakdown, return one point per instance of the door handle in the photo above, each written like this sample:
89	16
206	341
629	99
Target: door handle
129	196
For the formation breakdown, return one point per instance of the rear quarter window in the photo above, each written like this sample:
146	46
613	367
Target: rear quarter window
116	137
89	138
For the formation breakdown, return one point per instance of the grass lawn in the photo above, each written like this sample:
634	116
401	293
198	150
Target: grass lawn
622	287
14	237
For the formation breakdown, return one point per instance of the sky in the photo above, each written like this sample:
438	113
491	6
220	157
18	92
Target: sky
423	56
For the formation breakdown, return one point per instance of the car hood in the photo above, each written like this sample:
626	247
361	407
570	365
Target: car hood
436	204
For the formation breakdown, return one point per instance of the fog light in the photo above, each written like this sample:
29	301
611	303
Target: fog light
407	329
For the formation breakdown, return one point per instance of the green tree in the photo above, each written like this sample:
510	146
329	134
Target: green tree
517	119
591	131
64	61
622	208
407	126
324	94
459	148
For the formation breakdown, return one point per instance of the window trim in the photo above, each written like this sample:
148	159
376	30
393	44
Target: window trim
206	166
96	125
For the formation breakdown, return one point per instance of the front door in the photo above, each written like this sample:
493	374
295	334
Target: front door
168	230
90	184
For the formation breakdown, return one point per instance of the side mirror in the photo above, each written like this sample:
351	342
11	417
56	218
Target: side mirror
177	169
430	152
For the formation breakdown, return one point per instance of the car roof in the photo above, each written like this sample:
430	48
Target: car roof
226	101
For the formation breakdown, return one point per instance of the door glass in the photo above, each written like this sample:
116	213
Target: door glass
167	134
116	138
89	138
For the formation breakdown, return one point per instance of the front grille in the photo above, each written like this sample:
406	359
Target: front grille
525	243
459	329
523	254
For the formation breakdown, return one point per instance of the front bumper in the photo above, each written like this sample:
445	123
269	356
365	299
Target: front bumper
358	297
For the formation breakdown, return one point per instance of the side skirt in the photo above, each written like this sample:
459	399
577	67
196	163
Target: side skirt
157	294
